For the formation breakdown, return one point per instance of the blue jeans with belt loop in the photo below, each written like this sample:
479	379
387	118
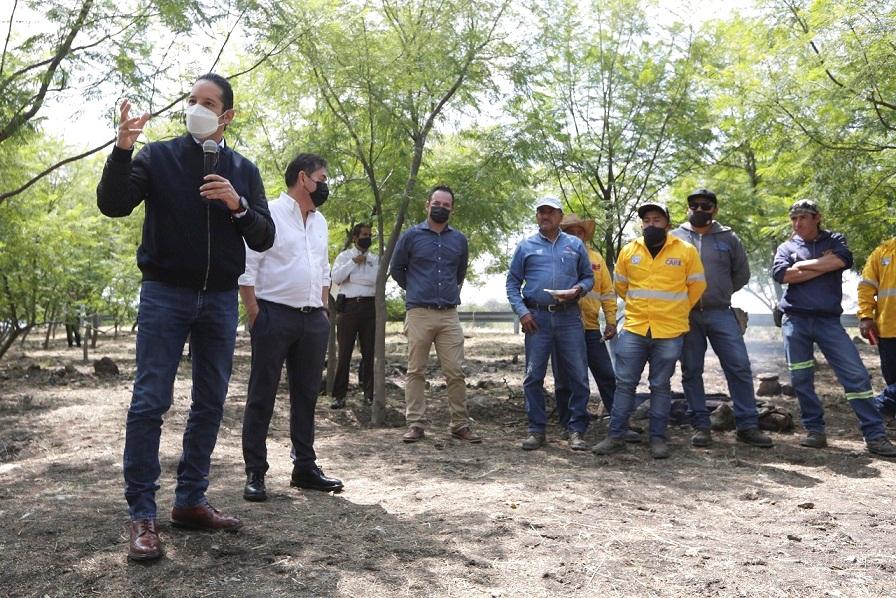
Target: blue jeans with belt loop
560	332
801	333
633	352
166	315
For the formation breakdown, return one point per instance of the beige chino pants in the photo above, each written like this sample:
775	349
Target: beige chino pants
423	328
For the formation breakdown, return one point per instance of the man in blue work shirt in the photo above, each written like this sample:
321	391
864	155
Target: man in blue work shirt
549	272
811	264
430	264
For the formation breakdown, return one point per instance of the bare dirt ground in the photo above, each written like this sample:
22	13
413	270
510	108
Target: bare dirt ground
438	518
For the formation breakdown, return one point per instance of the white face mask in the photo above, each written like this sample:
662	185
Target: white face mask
201	122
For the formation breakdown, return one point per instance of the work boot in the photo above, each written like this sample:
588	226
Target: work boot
533	441
609	445
576	442
658	448
815	440
632	437
702	437
881	446
754	437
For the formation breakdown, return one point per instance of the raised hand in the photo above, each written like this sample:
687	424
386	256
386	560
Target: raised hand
129	128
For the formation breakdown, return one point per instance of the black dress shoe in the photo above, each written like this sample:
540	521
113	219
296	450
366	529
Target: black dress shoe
338	403
313	478
255	490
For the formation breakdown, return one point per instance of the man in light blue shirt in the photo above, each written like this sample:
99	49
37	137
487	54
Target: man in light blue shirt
549	272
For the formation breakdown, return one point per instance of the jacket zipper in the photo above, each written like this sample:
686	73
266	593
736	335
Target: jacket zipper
208	245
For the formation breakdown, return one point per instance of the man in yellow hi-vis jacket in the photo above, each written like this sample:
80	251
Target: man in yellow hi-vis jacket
661	278
877	313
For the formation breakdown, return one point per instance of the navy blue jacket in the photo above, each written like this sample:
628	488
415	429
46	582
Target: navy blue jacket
187	241
821	295
430	266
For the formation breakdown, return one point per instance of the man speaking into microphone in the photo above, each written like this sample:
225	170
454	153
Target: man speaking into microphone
191	255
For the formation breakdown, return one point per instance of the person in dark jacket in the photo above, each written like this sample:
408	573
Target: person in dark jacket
191	256
727	271
811	265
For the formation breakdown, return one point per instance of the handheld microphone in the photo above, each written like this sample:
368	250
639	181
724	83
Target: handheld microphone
210	156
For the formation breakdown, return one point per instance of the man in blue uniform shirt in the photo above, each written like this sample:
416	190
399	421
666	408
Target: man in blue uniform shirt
549	272
811	265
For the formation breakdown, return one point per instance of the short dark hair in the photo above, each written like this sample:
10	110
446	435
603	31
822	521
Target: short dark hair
224	84
306	163
356	230
444	188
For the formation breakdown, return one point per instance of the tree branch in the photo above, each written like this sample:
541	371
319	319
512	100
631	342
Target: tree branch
20	119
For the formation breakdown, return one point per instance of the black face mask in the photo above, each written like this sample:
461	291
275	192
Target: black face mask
320	194
364	243
439	214
699	218
654	236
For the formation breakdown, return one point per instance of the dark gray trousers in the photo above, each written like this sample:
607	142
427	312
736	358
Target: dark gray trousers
281	333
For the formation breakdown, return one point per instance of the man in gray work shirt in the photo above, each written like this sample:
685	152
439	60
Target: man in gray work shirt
727	270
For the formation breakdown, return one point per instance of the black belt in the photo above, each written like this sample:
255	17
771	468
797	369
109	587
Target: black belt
359	299
305	309
552	307
437	307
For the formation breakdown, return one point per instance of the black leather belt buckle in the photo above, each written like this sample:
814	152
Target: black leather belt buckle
306	309
555	307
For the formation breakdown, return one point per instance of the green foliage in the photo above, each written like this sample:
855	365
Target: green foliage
608	108
57	252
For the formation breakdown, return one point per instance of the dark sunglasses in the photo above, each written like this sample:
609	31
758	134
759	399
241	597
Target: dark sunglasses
705	207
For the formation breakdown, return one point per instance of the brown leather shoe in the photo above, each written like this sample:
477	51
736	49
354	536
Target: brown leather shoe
467	434
145	545
413	434
204	516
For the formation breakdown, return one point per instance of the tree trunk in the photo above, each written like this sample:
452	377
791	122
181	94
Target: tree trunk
8	337
51	322
96	330
85	344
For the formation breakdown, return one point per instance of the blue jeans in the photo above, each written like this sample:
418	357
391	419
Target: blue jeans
886	402
633	352
560	333
166	315
601	368
720	327
800	333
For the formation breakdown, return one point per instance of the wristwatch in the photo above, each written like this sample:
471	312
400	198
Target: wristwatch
243	207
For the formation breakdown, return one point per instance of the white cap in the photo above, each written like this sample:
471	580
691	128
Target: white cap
551	202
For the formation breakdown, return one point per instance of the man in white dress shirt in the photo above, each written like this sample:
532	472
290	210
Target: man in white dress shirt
285	291
355	272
